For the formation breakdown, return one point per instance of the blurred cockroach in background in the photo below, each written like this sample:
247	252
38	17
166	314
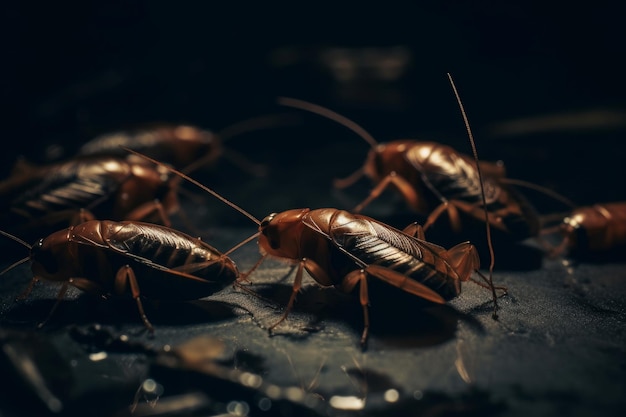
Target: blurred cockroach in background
139	259
38	200
341	249
186	147
596	232
103	181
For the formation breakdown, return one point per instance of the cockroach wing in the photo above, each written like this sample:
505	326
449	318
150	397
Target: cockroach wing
70	185
455	177
451	174
371	243
152	245
400	280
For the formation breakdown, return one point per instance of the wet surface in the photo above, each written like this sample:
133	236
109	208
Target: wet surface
558	344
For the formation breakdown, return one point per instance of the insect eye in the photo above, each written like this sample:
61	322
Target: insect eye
266	221
274	241
44	257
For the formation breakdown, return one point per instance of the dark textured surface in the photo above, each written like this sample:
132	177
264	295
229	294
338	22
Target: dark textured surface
543	94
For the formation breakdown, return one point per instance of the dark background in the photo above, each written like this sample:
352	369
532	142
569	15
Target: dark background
72	71
543	85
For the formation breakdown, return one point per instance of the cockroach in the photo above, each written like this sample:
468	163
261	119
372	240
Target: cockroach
594	232
342	249
46	198
139	259
179	145
434	178
185	146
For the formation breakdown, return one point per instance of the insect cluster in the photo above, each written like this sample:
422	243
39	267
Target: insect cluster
101	221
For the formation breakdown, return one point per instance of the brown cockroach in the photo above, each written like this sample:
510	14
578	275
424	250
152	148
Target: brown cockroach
592	232
46	198
139	259
342	249
178	145
184	146
434	178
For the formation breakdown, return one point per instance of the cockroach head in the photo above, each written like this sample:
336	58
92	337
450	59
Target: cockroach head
280	233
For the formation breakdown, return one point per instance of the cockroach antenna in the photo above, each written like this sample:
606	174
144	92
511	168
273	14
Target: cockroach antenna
482	192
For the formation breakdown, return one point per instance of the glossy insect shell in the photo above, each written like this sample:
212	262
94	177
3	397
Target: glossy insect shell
596	229
179	145
340	242
168	264
454	177
109	187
